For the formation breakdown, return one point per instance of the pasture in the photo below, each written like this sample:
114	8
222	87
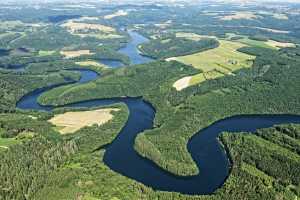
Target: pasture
214	63
225	58
272	44
6	142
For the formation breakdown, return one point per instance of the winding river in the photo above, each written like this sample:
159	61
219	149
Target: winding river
204	147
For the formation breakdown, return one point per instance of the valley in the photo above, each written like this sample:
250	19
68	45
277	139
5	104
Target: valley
150	101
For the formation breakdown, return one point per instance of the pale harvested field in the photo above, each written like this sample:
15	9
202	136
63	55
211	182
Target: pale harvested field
271	30
90	63
71	122
99	31
193	36
74	54
116	14
164	25
240	15
82	19
280	44
73	27
182	83
280	16
46	53
100	35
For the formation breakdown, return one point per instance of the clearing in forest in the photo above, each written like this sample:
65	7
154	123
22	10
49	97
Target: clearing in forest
90	63
73	27
240	15
279	45
214	63
272	44
46	53
182	83
74	54
193	36
71	122
90	30
116	14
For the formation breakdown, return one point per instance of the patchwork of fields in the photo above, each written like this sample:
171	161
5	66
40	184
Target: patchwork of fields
217	62
223	60
84	29
271	44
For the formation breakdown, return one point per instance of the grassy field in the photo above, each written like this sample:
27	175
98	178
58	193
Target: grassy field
255	43
224	58
71	122
6	142
6	34
271	44
217	62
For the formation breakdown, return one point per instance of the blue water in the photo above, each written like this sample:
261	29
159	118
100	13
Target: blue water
4	52
30	100
131	51
111	63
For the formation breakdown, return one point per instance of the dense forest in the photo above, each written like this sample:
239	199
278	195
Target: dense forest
40	150
172	47
14	86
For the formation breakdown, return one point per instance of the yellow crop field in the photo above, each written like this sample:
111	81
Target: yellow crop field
74	54
90	63
71	122
91	30
240	15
